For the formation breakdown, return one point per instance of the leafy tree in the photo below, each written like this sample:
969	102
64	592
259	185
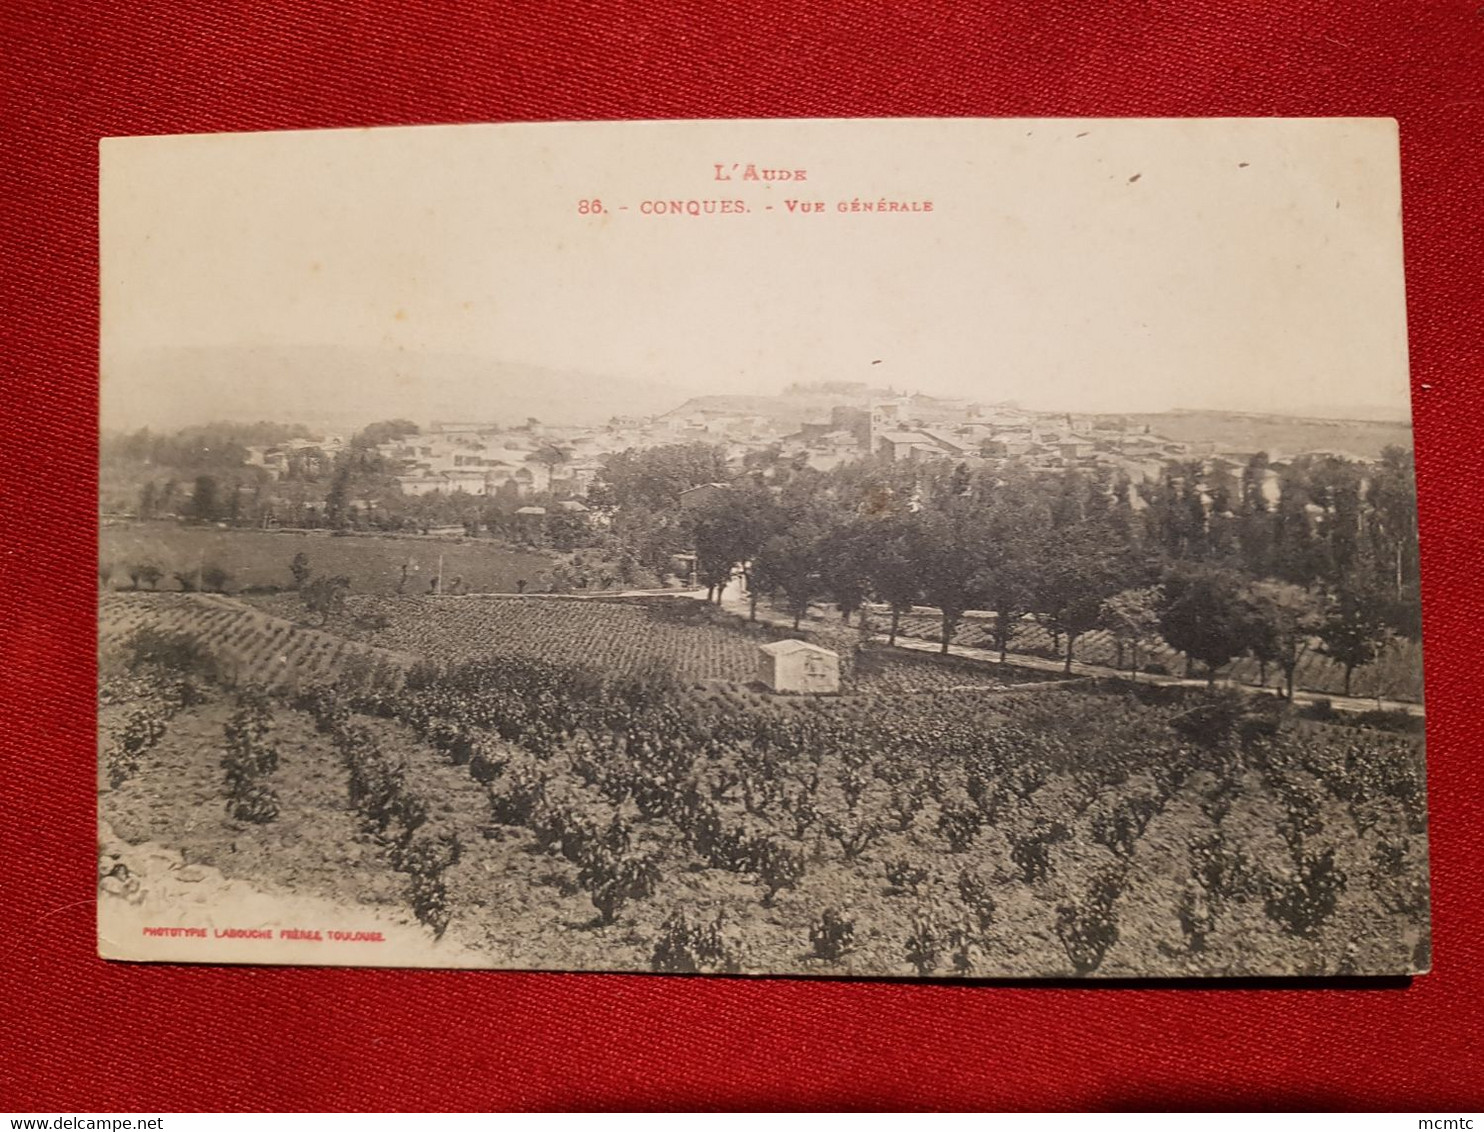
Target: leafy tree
214	579
728	532
950	555
1205	615
1071	586
145	574
205	504
1287	618
844	566
383	432
337	498
551	457
1132	617
789	562
655	477
1353	632
891	566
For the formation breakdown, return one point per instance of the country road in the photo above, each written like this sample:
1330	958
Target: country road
734	602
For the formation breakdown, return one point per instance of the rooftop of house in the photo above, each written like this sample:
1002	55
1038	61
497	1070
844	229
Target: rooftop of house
786	648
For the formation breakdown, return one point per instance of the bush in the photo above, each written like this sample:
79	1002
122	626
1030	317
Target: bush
250	756
924	947
959	825
854	836
1321	708
1302	904
613	880
425	858
904	876
832	937
975	892
299	569
777	867
904	805
688	947
1031	852
1120	827
171	651
1087	926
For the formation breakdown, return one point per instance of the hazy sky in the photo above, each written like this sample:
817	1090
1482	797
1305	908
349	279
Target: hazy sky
1098	265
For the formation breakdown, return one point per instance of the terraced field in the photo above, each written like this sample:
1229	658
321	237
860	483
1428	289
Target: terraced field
249	646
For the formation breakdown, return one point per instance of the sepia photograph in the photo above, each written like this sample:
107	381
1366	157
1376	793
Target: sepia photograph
871	548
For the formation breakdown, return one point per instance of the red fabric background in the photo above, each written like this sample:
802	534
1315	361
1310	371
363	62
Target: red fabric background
80	1034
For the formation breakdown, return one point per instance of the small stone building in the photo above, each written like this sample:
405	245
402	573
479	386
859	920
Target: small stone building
798	666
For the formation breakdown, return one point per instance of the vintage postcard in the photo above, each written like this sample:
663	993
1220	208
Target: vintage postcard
879	548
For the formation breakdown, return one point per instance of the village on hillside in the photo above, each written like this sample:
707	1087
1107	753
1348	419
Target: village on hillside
531	467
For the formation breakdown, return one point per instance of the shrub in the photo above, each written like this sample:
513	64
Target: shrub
905	803
831	937
1321	708
1197	916
299	569
853	783
777	867
1031	851
250	756
613	880
425	859
854	836
143	728
172	651
904	876
1303	903
924	946
689	947
1121	826
1087	926
975	892
959	825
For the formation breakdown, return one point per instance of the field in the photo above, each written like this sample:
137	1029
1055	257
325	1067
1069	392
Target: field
587	784
685	639
260	559
247	646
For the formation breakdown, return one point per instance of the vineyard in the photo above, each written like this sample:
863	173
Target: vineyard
245	645
680	637
621	814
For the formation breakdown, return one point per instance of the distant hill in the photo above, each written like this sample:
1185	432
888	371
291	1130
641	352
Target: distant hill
1276	435
340	389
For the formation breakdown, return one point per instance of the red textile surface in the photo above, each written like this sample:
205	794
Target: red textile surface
79	1034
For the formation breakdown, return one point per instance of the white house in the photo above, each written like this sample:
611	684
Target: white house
798	666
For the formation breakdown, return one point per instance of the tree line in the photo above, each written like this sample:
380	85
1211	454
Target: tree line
1219	563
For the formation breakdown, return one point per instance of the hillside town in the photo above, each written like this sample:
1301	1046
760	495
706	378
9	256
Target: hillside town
558	464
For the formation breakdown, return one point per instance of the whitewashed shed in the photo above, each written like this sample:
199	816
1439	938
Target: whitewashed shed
798	666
